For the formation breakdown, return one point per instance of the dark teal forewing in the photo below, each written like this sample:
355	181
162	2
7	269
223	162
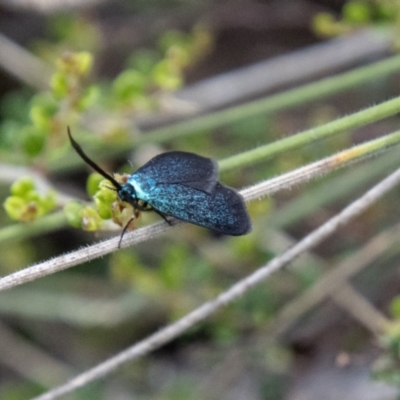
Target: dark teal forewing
222	211
178	167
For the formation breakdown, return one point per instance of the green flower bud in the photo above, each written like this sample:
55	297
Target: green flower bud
22	186
93	183
14	207
48	202
83	62
166	75
78	64
91	220
104	199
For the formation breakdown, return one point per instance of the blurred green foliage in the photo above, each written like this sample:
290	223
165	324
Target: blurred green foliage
41	119
36	135
176	276
387	366
191	266
356	14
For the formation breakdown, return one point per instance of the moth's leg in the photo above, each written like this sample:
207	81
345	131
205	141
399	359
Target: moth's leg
144	206
124	231
163	216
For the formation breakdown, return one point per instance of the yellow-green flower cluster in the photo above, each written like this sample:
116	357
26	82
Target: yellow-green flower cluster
72	68
26	203
149	74
107	206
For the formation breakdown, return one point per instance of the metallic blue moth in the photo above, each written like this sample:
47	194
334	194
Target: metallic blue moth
181	185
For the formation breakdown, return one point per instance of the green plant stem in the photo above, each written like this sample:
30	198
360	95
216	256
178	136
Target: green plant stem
289	98
321	167
270	104
332	190
47	223
364	117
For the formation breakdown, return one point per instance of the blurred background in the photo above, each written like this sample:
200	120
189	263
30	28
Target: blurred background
136	78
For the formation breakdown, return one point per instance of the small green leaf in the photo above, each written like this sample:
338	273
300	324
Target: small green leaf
59	85
32	140
143	61
88	98
357	11
43	109
129	85
395	307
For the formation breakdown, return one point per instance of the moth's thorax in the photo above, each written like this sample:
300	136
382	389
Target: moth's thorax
142	186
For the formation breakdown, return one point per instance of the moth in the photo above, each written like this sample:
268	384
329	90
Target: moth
181	185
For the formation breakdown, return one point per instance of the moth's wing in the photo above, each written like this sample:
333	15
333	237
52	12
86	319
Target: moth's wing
222	211
179	167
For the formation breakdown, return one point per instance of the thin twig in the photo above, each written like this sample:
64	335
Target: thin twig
257	191
331	281
21	356
361	309
174	330
83	255
284	70
23	65
51	6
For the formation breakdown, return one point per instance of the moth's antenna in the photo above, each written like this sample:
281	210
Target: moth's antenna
88	161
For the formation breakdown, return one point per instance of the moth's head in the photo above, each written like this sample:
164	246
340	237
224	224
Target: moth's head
127	193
